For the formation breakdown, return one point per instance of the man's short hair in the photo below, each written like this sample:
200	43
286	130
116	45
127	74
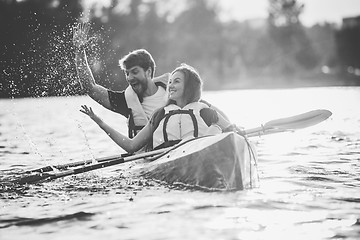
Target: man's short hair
139	57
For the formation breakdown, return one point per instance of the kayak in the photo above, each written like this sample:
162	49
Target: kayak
226	161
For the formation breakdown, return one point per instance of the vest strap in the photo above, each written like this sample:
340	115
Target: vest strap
180	111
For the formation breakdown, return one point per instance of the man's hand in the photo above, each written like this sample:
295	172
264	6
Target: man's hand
80	34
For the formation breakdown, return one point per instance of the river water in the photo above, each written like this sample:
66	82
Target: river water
309	179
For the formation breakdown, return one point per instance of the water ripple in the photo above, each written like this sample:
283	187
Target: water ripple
80	216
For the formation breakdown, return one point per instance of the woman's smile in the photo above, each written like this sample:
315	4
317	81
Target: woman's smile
176	86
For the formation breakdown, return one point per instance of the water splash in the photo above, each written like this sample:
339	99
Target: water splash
45	67
87	143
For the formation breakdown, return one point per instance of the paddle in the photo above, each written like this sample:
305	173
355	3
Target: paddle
290	123
104	162
75	164
42	175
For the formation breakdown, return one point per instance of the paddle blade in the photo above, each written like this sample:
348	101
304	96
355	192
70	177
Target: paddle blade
290	123
299	121
33	178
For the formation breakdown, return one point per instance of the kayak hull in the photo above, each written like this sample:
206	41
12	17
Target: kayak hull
222	162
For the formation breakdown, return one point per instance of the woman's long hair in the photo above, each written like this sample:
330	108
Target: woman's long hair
192	84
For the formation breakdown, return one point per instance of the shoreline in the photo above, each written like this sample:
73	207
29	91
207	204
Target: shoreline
253	83
281	83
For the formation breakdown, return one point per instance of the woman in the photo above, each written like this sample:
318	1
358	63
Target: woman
183	117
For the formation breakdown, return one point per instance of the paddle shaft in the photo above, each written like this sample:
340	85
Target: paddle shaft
75	164
51	176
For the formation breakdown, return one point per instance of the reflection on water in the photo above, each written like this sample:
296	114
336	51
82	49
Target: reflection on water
309	179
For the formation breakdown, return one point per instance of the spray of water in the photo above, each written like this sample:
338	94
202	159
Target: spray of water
47	67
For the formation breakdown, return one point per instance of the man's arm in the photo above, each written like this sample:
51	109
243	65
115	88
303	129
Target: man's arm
216	109
87	80
95	91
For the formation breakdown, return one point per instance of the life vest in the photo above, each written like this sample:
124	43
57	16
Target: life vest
138	118
181	123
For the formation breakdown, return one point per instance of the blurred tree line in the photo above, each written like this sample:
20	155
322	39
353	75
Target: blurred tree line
36	54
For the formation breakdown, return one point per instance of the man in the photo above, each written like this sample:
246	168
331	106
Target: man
141	98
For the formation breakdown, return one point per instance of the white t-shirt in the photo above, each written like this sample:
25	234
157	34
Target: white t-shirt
153	102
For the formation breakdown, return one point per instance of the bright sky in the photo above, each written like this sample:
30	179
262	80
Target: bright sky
316	11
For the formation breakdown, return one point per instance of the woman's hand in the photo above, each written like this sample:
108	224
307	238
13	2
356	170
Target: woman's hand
80	34
234	128
88	111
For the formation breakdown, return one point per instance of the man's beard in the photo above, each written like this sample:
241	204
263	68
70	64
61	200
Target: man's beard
140	88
